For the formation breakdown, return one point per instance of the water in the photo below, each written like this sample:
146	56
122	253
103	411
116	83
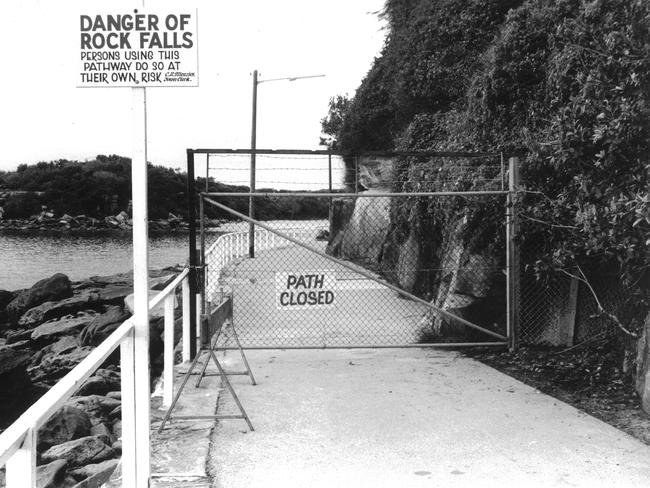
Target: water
25	259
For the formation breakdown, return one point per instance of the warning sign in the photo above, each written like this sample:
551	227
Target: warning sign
138	49
305	290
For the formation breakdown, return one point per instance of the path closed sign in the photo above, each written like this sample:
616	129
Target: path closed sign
305	290
138	48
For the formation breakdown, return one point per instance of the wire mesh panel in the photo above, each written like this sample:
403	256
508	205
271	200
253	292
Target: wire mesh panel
362	280
560	306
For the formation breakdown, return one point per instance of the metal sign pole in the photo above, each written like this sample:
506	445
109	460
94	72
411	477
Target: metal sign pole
140	286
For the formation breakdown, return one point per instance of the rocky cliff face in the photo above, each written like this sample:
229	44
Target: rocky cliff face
444	265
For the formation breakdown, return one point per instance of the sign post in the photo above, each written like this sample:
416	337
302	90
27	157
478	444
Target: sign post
138	48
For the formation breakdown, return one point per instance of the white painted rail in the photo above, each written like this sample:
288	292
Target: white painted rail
19	441
231	246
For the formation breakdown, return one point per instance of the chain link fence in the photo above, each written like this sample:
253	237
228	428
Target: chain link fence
446	250
557	309
293	294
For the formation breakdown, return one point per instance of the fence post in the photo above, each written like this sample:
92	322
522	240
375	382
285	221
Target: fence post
191	217
330	200
204	268
512	255
168	355
21	467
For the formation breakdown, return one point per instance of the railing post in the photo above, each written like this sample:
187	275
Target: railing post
127	371
21	467
186	320
197	324
168	372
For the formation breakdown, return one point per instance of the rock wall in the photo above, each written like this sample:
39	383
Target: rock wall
360	226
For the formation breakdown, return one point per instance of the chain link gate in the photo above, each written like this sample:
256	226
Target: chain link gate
341	269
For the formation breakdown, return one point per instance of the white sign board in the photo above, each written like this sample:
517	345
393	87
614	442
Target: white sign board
138	48
305	290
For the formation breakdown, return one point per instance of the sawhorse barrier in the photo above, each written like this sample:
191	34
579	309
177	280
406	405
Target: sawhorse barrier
213	324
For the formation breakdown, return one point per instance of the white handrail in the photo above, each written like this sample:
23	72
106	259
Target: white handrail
17	442
168	289
55	397
235	244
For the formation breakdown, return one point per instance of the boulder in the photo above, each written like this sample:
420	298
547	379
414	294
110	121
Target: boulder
18	336
122	217
97	407
367	229
102	325
67	423
55	366
117	428
154	313
15	386
5	298
94	475
56	287
161	282
104	432
50	332
53	310
51	475
116	279
64	345
101	383
80	452
20	345
114	294
11	361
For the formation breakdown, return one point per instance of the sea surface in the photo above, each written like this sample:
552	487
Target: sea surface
27	258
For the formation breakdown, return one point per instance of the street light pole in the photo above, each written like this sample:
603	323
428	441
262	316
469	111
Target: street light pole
251	199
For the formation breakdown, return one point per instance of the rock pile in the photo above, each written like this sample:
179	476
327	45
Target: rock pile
47	221
45	331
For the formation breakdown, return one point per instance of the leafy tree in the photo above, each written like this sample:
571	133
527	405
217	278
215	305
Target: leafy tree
563	83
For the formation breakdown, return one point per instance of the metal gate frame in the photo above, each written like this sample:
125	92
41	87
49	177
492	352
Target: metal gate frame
512	258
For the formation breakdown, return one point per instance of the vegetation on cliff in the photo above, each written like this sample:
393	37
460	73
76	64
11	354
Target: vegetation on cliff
102	187
565	84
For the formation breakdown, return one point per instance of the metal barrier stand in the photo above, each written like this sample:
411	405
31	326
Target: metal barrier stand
212	327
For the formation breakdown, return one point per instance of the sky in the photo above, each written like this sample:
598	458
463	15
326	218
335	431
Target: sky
45	117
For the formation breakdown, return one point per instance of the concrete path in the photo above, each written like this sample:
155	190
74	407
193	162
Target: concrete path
410	418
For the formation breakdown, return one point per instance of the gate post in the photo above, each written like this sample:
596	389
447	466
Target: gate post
512	255
191	217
